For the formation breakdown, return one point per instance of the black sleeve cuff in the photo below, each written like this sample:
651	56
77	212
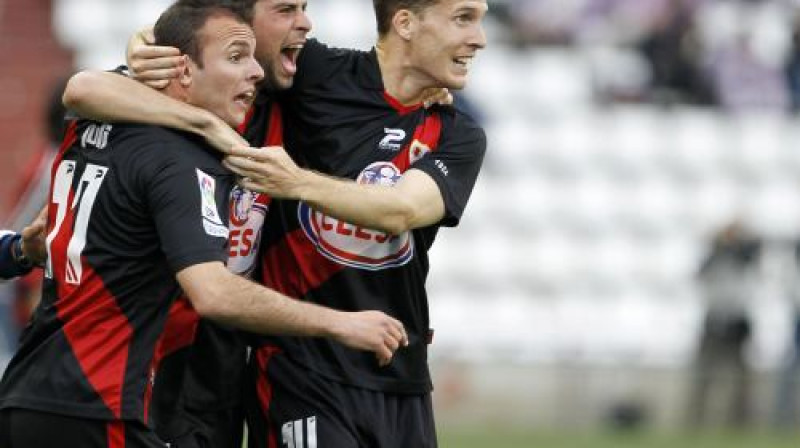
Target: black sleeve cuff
10	265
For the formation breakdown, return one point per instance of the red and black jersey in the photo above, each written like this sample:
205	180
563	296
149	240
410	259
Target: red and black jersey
130	206
340	120
217	357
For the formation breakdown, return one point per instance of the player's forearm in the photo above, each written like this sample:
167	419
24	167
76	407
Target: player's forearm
106	96
414	202
226	298
372	206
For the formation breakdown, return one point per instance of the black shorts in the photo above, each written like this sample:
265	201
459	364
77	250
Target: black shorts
222	428
21	428
295	408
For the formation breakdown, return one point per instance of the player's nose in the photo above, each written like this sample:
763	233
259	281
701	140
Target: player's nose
255	72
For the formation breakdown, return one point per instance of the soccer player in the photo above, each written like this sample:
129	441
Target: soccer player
133	219
360	245
211	399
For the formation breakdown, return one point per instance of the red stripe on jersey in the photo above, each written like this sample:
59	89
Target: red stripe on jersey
398	106
95	327
116	434
97	331
180	328
243	126
427	134
275	132
179	332
70	136
294	266
274	137
264	388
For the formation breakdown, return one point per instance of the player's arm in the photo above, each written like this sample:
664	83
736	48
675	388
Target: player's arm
219	295
111	97
414	201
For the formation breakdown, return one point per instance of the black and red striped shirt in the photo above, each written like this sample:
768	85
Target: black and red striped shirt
339	120
130	206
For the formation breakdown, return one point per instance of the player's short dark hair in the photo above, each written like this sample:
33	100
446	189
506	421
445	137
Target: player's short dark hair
180	24
386	9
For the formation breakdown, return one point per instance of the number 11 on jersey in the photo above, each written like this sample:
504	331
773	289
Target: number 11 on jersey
72	219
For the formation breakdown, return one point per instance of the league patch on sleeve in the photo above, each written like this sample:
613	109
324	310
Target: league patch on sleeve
212	223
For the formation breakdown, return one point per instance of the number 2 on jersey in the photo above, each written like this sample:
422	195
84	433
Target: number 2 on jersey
75	214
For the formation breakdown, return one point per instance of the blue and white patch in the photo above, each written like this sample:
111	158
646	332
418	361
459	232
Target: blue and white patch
212	223
355	246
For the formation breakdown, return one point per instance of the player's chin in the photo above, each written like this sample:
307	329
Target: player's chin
282	81
235	116
454	82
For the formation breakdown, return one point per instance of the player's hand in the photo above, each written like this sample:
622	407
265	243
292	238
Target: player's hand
34	245
437	95
221	136
267	170
371	330
153	65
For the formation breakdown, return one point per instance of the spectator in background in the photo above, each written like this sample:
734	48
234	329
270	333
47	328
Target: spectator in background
743	80
722	376
792	68
674	53
786	401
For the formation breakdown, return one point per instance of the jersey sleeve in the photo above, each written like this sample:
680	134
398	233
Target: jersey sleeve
456	164
9	268
189	208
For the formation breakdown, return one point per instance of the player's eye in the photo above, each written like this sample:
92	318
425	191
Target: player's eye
464	19
235	57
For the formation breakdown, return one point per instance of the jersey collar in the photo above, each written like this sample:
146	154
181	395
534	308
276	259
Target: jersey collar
371	79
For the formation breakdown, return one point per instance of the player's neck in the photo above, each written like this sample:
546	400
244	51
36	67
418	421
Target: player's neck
399	79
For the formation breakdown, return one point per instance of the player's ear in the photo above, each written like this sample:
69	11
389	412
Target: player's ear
405	23
186	70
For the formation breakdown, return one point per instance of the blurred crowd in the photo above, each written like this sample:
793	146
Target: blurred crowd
732	54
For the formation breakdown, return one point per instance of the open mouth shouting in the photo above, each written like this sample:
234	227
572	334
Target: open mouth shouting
289	55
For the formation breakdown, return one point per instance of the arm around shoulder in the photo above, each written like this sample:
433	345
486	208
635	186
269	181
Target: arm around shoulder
107	96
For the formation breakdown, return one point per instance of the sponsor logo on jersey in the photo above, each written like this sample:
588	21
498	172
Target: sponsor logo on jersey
393	140
247	214
355	246
212	223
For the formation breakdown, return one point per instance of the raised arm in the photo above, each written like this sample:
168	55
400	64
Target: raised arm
107	96
219	295
414	201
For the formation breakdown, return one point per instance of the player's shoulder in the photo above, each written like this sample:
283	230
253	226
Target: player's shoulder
156	138
317	49
460	124
320	61
147	145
